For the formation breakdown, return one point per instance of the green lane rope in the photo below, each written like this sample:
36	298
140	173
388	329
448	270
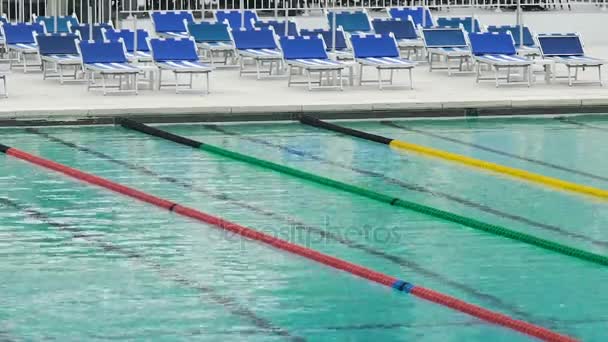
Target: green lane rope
391	200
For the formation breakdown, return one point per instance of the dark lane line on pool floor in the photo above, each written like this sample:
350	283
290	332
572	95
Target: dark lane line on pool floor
582	124
401	261
227	302
418	188
493	150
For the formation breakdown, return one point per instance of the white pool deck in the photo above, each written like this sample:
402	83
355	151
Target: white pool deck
239	98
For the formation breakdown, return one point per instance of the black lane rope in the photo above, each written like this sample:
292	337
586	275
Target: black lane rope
493	150
296	224
582	124
227	302
418	188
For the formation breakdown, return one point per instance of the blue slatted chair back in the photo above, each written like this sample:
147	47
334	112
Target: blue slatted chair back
234	18
561	45
357	21
469	24
375	45
303	48
83	30
401	29
173	49
102	52
171	21
257	38
21	33
492	43
416	13
128	38
444	37
57	44
62	23
528	40
279	27
209	32
328	37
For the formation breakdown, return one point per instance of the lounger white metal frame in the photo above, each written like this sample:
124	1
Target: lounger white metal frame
462	54
59	62
260	58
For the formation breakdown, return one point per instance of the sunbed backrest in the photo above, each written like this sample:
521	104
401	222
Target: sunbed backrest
515	32
21	33
374	45
469	24
62	22
57	44
102	52
209	32
128	38
402	29
172	21
328	37
234	18
492	43
303	48
350	21
173	49
256	38
84	30
561	45
443	37
416	13
279	27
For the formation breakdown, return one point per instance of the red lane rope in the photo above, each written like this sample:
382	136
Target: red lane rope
363	272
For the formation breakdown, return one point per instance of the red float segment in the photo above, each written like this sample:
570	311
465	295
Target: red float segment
89	178
490	316
287	246
325	259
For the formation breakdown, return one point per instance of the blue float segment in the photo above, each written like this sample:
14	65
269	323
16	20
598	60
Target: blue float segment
398	284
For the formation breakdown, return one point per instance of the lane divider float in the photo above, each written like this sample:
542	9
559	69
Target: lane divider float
473	162
328	260
391	200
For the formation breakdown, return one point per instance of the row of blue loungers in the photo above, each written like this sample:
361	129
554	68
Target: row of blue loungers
276	45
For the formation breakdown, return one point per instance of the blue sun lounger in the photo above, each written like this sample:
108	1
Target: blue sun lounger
420	15
235	19
59	51
309	54
447	43
568	50
3	20
353	22
142	54
212	39
107	59
259	45
404	31
279	27
341	51
498	51
171	23
468	24
179	56
19	40
382	53
62	22
84	30
529	46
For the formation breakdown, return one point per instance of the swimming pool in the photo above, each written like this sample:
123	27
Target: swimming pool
80	262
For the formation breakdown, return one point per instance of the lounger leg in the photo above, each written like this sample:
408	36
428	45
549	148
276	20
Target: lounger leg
160	78
60	67
135	82
391	76
103	84
176	83
379	79
340	79
360	74
207	89
411	79
308	78
599	71
190	80
478	72
569	77
496	75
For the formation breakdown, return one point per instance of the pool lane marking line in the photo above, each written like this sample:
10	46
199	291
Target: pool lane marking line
229	303
399	260
414	187
493	150
326	259
461	159
380	197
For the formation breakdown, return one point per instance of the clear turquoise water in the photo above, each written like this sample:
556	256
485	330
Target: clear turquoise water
78	262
